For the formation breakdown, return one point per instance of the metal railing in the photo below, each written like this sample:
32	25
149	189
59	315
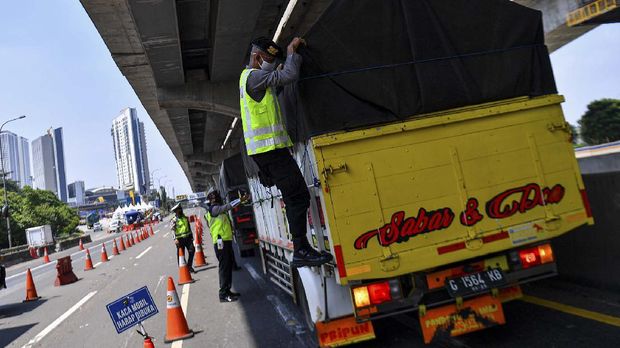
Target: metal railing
589	11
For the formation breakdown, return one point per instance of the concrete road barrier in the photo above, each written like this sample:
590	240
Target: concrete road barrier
589	254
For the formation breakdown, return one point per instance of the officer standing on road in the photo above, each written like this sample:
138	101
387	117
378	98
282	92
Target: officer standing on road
222	235
183	237
267	140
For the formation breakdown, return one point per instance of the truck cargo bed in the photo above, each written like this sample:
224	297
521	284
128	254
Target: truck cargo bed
451	186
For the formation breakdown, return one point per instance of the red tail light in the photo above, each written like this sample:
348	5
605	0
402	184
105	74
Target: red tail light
243	219
586	202
379	293
535	256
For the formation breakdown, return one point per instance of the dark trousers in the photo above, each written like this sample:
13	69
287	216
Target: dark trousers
282	169
188	244
225	260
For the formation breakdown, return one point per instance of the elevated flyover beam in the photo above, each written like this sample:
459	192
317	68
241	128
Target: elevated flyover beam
220	97
211	158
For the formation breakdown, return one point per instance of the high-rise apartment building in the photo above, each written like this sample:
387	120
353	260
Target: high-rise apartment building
15	158
76	193
48	158
132	165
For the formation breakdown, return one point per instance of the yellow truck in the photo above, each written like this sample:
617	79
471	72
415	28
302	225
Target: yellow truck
445	214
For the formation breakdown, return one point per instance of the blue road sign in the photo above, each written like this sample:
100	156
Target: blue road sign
128	311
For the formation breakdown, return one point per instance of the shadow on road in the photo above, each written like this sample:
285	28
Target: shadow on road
15	309
208	267
265	319
10	334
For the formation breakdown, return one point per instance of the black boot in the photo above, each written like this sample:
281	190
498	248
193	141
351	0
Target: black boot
228	298
233	294
307	256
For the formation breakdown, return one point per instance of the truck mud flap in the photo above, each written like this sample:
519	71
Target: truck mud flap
343	331
441	323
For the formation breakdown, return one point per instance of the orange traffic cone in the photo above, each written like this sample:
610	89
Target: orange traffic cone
31	290
104	254
88	265
114	248
199	257
176	324
135	241
46	258
128	241
151	228
148	343
121	245
184	276
81	245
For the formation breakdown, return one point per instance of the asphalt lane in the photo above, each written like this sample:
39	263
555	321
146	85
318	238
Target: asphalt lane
262	318
75	315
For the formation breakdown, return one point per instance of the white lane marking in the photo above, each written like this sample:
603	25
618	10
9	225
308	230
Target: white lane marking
79	252
161	279
144	252
46	264
257	278
280	308
31	270
59	320
166	234
97	264
184	302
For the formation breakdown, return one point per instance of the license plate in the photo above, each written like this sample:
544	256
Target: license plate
475	283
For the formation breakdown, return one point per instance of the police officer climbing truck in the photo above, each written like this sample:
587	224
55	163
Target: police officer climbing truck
222	236
183	236
268	143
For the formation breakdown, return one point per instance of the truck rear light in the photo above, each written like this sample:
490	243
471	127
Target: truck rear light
586	202
376	293
379	293
242	219
361	297
535	256
546	253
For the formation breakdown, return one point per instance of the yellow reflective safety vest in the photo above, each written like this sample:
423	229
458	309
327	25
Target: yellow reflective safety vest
182	229
219	226
263	128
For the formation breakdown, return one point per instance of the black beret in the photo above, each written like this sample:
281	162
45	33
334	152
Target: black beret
268	46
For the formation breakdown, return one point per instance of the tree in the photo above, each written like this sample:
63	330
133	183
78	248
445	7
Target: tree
601	123
30	208
164	199
574	134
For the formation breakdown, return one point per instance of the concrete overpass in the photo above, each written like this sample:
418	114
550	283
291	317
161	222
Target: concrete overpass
183	58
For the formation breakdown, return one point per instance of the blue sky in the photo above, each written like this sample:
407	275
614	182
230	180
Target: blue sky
55	69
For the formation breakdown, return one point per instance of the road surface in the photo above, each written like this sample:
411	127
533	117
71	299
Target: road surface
554	314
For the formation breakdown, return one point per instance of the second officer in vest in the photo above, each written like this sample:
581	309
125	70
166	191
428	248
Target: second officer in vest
183	237
267	141
222	236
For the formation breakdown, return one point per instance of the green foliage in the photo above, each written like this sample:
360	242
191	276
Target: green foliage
601	123
574	133
30	208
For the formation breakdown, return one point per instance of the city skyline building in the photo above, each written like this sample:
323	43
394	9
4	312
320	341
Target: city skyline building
48	159
76	193
130	154
16	158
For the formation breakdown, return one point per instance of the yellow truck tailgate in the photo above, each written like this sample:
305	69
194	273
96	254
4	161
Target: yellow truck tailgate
449	186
